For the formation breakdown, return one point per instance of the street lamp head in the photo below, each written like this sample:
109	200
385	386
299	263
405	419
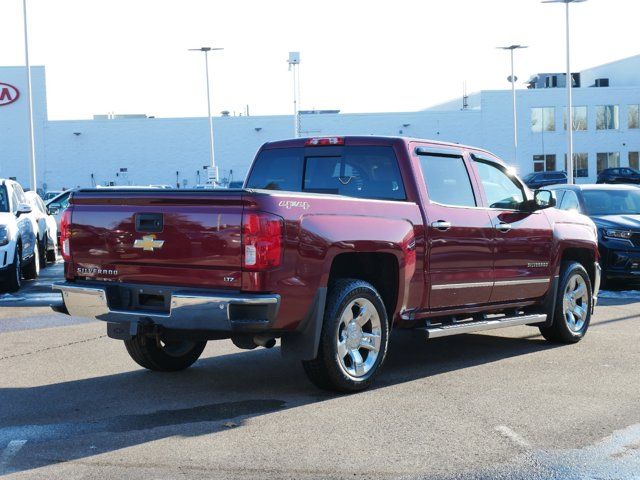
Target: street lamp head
204	49
563	1
512	47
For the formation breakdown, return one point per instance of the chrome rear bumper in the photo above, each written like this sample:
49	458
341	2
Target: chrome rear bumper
188	310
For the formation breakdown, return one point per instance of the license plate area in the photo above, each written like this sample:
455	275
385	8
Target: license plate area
139	298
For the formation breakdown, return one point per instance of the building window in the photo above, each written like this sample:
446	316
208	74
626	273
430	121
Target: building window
608	160
580	165
543	119
634	116
634	160
544	163
579	118
607	117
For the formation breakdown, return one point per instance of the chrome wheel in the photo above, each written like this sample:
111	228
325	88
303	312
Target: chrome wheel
359	337
575	303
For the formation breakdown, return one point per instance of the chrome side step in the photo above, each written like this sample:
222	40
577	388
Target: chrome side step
469	327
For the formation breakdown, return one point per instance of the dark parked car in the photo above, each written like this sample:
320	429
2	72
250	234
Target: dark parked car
537	180
619	175
615	209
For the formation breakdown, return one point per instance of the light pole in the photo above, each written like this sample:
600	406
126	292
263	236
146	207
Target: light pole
294	61
570	178
206	51
32	143
513	79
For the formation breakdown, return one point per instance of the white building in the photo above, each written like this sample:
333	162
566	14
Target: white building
128	150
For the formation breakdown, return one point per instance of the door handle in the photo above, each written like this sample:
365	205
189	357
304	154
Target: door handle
503	227
442	225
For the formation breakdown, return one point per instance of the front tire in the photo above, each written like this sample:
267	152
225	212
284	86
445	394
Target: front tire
169	356
354	338
573	306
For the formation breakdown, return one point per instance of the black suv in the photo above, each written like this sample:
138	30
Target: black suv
619	175
537	180
615	209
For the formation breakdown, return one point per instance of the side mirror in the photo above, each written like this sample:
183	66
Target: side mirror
23	209
53	209
543	199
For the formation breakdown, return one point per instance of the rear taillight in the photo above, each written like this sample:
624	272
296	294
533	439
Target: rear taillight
324	141
65	234
261	241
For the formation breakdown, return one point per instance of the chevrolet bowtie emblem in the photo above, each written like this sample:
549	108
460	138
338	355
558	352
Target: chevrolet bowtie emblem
148	243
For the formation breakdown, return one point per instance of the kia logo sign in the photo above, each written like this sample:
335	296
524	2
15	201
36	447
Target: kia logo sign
8	94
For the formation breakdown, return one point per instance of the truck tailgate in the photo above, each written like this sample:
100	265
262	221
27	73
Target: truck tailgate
151	236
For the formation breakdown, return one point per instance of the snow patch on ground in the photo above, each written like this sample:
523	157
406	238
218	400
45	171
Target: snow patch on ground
7	297
619	294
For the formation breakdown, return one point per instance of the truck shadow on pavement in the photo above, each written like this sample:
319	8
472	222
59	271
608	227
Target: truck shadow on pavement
81	418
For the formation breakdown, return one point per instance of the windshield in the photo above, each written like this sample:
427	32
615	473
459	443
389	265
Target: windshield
529	177
612	202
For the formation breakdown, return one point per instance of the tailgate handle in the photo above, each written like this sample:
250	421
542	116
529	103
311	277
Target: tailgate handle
149	222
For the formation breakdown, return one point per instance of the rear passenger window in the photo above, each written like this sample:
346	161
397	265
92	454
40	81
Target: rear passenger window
447	180
365	172
278	169
355	171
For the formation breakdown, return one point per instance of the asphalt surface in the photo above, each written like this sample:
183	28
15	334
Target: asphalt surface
502	404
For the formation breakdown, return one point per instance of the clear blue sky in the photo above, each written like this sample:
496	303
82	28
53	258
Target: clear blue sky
130	56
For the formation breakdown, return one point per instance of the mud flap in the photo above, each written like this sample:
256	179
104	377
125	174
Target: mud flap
550	301
303	343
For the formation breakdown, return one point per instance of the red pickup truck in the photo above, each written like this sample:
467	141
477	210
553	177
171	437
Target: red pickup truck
331	243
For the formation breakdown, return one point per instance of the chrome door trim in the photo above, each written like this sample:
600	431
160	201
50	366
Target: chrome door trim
447	286
528	281
501	283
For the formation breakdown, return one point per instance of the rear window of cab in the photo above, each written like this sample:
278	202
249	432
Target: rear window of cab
355	171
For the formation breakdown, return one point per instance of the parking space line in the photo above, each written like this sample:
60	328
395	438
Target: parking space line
12	449
513	436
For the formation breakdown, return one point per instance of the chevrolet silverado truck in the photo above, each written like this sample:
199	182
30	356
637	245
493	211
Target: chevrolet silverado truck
330	244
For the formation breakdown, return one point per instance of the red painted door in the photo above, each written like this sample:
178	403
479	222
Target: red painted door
459	262
523	240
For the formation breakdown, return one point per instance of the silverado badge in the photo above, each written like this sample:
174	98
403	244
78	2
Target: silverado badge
148	243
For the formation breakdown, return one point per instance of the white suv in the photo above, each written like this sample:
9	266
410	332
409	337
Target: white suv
18	239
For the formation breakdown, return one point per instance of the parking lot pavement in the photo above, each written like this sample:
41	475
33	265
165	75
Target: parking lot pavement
29	307
503	404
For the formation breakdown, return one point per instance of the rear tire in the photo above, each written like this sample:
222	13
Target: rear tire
14	273
170	356
572	314
32	270
52	254
353	342
42	251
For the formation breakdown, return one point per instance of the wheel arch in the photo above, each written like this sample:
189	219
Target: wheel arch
584	256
